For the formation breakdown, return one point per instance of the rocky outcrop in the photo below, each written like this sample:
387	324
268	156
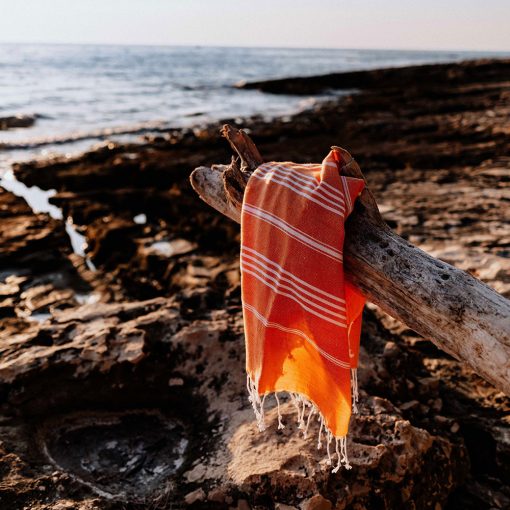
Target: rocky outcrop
138	400
457	74
17	121
110	371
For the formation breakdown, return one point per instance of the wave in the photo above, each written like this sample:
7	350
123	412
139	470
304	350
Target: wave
95	134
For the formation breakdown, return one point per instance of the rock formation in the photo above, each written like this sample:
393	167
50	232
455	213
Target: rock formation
124	387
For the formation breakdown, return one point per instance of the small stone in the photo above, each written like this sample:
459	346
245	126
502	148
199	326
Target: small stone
424	409
172	248
283	506
455	427
317	502
407	406
437	404
428	386
391	350
242	504
217	495
194	497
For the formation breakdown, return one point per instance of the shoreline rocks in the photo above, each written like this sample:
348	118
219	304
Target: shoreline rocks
161	344
17	121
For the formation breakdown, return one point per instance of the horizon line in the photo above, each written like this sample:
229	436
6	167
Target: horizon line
203	45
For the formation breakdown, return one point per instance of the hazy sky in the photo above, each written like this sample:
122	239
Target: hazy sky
411	24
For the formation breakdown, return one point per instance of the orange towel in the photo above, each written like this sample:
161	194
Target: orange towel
302	319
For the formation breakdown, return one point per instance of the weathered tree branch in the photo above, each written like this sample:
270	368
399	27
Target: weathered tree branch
457	312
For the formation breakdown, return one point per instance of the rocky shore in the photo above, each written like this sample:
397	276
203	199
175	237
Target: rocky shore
122	382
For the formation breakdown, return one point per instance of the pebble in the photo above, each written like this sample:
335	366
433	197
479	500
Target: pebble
194	497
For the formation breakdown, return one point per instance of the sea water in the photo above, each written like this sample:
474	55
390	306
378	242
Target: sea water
85	92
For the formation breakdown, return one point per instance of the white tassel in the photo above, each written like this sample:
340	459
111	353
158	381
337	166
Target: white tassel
319	442
312	412
296	401
262	424
355	394
343	449
280	423
329	437
302	417
257	404
301	407
301	403
339	459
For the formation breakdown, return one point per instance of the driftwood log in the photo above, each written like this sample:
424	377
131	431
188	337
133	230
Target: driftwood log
459	313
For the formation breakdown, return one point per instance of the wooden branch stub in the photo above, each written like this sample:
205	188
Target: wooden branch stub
457	312
210	187
243	145
234	182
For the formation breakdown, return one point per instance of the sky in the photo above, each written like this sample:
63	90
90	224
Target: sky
386	24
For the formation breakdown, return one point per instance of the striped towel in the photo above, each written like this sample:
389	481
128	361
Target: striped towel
302	319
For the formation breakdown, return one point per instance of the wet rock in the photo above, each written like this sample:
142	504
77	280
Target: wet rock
111	241
456	73
89	338
391	350
40	297
316	502
33	241
17	121
39	273
122	456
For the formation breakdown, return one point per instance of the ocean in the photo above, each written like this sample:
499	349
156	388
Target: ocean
82	93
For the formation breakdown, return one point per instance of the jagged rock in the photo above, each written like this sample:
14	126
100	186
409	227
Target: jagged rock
379	438
39	273
33	241
94	344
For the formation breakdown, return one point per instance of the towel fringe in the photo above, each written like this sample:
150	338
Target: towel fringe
256	402
280	422
319	442
329	437
312	412
302	403
341	451
355	394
